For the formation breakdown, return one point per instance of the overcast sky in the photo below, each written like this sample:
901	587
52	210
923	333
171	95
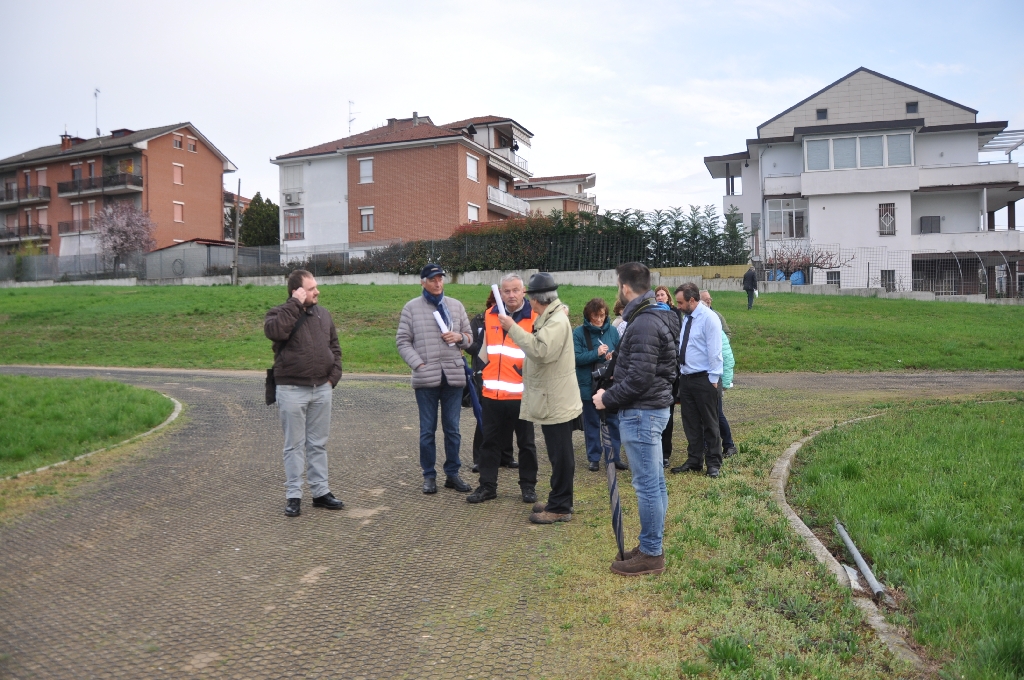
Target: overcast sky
637	92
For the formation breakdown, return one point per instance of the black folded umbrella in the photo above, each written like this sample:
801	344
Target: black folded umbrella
613	484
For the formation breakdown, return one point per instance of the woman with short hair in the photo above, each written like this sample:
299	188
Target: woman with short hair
595	342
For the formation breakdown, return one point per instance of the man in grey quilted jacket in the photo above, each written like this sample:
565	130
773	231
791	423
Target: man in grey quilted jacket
438	377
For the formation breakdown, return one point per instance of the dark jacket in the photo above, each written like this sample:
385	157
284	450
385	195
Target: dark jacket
587	359
647	363
750	280
313	356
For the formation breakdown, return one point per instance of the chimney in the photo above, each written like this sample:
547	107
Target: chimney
65	142
415	119
391	123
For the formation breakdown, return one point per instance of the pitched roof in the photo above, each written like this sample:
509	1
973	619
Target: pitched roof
103	144
403	131
484	120
874	73
538	192
558	178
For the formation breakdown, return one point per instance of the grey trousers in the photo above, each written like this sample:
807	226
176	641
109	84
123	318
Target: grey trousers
306	419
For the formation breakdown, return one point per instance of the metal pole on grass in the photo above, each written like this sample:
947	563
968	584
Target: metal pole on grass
877	588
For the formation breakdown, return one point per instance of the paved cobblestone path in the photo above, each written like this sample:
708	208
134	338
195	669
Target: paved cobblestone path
183	564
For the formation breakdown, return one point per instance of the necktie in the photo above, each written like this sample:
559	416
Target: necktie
686	340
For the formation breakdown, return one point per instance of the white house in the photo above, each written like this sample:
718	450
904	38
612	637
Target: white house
890	179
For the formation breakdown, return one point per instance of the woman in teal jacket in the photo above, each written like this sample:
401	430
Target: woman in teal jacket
595	343
729	361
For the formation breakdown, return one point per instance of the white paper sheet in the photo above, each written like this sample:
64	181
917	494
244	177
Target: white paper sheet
441	324
497	299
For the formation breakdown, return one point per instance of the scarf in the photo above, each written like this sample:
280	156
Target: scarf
438	301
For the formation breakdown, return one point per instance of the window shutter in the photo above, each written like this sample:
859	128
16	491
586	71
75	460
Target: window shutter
871	152
817	154
844	152
899	149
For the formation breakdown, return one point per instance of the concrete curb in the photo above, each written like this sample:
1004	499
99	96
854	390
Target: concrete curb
778	478
170	419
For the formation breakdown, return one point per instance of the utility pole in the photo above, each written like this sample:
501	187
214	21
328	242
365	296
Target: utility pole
234	263
96	96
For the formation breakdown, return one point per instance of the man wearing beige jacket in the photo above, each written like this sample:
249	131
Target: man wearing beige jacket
438	377
551	396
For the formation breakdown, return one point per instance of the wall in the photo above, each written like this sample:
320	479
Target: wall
959	210
852	220
782	159
323	199
866	98
954	147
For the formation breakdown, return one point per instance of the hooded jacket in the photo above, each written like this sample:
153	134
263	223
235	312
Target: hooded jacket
587	360
647	362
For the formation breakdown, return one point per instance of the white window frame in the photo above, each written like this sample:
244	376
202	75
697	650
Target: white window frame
178	142
476	160
367	211
473	205
196	144
858	136
182	204
359	162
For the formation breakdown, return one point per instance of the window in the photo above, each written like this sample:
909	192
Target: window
179	173
126	166
177	141
41	177
192	144
28	179
179	212
502	184
822	114
76	172
889	280
844	152
899	149
293	227
755	222
817	154
474	213
291	177
832	278
41	216
787	218
365	170
911	107
931	225
366	219
92	209
887	219
871	152
472	165
92	168
76	212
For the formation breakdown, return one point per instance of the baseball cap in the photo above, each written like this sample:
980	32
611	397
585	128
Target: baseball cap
431	270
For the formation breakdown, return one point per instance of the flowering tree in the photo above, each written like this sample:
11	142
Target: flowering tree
792	255
124	230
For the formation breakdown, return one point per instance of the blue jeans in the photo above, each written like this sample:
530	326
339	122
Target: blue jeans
450	399
592	432
641	435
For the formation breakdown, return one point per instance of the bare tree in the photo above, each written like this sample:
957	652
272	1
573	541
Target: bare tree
791	256
124	230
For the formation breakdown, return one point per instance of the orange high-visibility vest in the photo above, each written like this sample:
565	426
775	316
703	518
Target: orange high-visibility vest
503	374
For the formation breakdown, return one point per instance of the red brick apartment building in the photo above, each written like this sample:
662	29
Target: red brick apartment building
49	196
409	179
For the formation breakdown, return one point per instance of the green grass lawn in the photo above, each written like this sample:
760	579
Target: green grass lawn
45	420
222	327
934	497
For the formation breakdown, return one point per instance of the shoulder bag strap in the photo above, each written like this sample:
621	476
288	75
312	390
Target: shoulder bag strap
295	329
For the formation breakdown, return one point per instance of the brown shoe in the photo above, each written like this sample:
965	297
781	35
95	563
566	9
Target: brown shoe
630	554
546	517
540	506
639	565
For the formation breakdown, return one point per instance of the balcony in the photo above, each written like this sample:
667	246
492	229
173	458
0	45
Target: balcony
76	226
121	183
505	203
28	231
937	177
970	241
779	186
510	155
24	195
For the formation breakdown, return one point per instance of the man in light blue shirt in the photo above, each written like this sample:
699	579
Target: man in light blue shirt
700	368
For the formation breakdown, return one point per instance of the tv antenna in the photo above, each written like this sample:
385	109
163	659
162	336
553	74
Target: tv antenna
96	96
351	115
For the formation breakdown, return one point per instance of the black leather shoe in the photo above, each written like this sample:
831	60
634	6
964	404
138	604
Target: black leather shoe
294	507
511	465
619	465
684	468
665	463
328	501
729	452
476	468
713	473
529	494
429	485
455	482
481	495
594	466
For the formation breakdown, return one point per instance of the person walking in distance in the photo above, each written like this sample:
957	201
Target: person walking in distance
750	285
438	376
503	394
551	396
307	367
641	391
700	368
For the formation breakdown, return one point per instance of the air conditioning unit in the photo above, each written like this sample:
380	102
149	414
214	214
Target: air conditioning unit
292	198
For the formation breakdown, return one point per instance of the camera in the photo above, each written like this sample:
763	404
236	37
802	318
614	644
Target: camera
603	376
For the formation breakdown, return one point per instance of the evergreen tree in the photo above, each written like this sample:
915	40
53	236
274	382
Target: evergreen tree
734	238
260	223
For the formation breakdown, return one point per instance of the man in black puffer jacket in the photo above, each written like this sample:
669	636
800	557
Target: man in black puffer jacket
646	365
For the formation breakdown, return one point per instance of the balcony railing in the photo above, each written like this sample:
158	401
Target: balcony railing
510	155
24	194
25	231
294	236
75	226
507	201
100	184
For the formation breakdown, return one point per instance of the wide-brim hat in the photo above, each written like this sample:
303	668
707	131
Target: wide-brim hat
542	282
